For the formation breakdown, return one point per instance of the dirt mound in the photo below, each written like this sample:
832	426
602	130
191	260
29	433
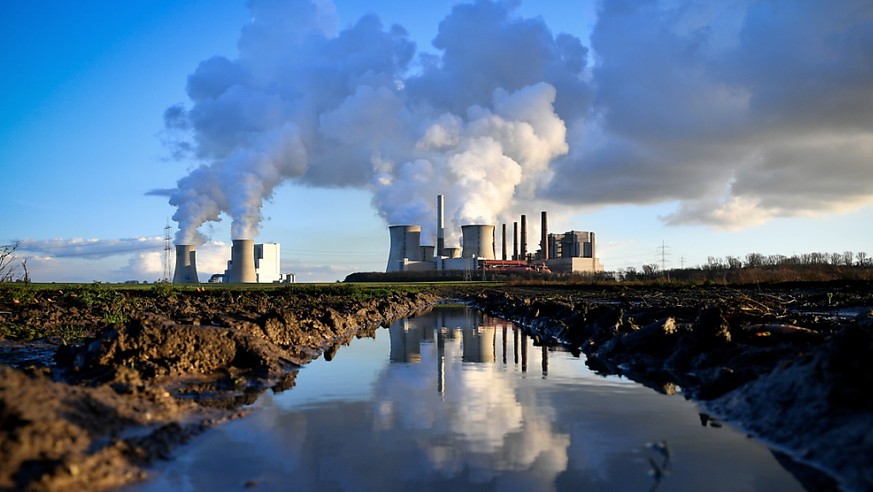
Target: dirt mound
161	366
57	436
152	348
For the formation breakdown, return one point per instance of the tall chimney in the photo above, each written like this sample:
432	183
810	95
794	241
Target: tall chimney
186	265
515	240
441	242
523	238
242	262
504	242
544	236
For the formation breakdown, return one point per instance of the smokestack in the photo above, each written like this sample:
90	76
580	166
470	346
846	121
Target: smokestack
186	265
478	241
242	262
544	236
504	243
523	238
515	240
441	242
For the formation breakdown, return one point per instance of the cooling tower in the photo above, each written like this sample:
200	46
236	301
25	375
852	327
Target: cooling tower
452	252
478	241
405	243
242	262
186	265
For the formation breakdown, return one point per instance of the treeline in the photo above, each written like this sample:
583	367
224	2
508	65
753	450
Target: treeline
757	268
751	269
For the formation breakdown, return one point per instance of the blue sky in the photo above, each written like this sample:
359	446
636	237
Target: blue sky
714	130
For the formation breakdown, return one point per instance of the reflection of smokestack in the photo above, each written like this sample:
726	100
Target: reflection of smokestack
478	241
242	262
186	265
503	252
544	237
515	240
441	242
523	238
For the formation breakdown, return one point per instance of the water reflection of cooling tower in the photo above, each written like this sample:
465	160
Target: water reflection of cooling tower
479	343
405	341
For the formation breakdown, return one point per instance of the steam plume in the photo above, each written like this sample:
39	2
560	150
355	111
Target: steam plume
737	111
300	102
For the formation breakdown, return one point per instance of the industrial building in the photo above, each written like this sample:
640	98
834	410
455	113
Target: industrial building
249	263
570	252
253	263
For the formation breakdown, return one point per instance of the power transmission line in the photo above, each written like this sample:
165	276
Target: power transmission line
663	252
167	249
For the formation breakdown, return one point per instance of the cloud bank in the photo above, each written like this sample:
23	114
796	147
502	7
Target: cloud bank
737	111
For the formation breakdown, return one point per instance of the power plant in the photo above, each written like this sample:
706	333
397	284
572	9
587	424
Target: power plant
570	252
186	265
249	263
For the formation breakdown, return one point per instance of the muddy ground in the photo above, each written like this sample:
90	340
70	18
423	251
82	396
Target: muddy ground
97	383
116	379
792	365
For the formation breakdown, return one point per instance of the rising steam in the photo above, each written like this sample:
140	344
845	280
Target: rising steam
343	110
736	111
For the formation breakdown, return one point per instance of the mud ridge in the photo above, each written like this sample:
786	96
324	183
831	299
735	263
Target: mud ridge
792	366
97	414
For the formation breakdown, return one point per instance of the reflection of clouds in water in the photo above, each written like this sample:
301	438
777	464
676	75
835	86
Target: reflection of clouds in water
479	424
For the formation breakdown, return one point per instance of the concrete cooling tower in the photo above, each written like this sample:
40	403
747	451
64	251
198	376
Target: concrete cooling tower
478	241
242	262
405	243
186	265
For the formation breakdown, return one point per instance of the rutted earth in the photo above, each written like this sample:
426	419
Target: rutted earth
118	379
94	416
792	365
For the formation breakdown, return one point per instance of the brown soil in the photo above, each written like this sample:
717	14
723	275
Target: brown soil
153	369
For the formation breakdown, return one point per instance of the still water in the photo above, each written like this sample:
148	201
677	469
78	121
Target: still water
454	400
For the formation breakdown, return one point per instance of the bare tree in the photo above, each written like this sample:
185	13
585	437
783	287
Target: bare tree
7	262
754	260
847	258
650	269
862	258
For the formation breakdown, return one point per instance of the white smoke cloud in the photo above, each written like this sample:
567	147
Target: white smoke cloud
734	110
340	109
